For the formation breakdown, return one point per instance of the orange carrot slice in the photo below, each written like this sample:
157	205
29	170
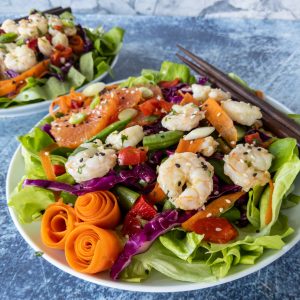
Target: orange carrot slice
189	146
268	216
215	114
188	98
213	209
12	85
46	161
57	222
156	195
90	249
98	208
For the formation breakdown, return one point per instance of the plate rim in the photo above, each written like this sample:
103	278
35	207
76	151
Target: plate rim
139	287
18	111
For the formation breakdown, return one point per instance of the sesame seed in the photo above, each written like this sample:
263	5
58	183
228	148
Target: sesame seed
221	209
242	161
177	165
218	229
132	92
209	215
227	201
254	174
232	142
218	114
81	160
216	193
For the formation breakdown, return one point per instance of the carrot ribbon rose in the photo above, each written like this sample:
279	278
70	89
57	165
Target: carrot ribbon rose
57	222
98	208
90	249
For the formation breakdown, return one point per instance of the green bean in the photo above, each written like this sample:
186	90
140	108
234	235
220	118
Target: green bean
219	169
232	214
162	140
116	126
126	197
8	37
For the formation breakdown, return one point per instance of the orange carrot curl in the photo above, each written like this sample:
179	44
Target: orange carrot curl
98	208
90	249
57	222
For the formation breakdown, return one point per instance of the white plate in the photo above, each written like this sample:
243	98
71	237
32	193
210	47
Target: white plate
29	109
157	282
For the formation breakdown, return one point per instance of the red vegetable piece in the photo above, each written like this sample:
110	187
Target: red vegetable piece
253	138
140	210
216	230
59	170
131	156
155	107
143	209
169	84
32	44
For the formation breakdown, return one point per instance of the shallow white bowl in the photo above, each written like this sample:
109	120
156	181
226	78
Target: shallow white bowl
34	108
157	282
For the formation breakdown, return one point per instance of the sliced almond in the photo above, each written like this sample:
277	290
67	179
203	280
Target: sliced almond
198	133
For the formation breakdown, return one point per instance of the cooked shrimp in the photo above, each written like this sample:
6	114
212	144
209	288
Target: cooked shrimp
247	166
40	22
209	146
27	30
183	118
95	161
242	112
60	39
44	46
54	24
182	170
69	31
130	136
10	26
20	59
203	92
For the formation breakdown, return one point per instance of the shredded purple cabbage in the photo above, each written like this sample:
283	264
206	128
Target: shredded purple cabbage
11	74
47	129
202	80
127	177
88	44
141	241
220	188
153	128
241	205
171	94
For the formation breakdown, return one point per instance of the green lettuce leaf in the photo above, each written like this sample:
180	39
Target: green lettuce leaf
168	71
283	180
75	78
295	117
182	244
164	261
283	151
253	213
86	66
30	202
290	200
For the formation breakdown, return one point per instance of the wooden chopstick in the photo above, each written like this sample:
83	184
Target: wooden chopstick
287	127
54	11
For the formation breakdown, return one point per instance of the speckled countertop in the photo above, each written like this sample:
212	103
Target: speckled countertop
265	53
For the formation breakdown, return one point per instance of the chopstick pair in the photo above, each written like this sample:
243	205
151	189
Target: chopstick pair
54	11
275	120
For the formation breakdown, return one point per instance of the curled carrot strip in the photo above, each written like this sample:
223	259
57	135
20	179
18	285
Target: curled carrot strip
188	98
98	208
156	195
90	249
268	216
189	146
57	222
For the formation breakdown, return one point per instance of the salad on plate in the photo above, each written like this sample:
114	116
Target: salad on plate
161	172
45	55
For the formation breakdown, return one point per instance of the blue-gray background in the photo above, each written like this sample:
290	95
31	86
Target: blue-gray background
264	52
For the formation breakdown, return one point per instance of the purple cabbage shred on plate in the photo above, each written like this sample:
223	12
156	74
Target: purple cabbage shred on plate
141	241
